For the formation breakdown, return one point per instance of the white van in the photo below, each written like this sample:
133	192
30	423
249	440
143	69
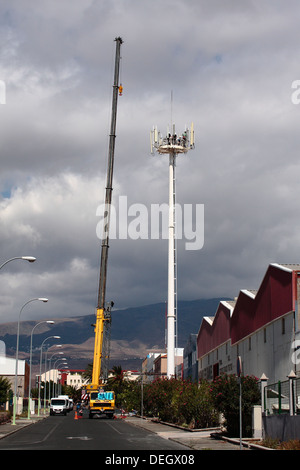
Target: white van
58	406
69	401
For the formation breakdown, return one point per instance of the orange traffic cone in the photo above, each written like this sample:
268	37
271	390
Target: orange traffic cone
76	417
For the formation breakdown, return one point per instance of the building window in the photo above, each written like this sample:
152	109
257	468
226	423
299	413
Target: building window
283	326
265	335
249	343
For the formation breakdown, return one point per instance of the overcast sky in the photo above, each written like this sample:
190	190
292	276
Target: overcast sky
229	66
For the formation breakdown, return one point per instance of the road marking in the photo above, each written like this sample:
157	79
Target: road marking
81	438
110	425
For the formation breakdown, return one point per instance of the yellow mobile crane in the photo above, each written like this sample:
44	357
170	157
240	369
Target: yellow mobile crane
100	400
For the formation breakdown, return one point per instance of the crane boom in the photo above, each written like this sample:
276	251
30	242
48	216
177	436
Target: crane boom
103	315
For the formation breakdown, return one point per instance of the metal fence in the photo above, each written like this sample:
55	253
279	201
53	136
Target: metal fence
282	397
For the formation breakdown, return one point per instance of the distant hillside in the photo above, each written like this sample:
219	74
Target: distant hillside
134	330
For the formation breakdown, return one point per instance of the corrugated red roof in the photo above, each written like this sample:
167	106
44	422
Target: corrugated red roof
251	310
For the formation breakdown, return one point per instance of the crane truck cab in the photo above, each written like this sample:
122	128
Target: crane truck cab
101	403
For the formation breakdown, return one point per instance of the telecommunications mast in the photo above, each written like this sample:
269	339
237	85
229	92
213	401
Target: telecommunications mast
172	145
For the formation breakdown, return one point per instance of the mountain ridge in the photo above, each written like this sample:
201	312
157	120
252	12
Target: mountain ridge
134	331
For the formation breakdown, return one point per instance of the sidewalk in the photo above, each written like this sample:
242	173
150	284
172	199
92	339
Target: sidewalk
196	440
8	428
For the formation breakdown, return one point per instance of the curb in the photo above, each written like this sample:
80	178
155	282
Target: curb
235	440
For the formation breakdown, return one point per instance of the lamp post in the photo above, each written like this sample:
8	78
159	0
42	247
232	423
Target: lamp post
31	259
45	391
65	364
67	369
54	369
42	299
50	322
40	378
50	359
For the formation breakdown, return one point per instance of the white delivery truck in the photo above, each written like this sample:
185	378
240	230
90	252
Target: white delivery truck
58	406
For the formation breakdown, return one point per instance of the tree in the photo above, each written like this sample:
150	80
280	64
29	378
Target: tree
72	392
87	374
5	387
117	379
132	395
117	382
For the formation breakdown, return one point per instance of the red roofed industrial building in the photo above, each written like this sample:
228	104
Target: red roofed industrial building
259	326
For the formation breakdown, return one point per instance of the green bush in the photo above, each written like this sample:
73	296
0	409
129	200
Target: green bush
195	405
5	387
293	444
273	443
4	417
159	399
225	392
180	402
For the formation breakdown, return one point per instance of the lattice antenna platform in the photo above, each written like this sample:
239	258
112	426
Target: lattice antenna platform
172	143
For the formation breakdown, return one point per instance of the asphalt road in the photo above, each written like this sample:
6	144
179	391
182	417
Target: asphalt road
67	433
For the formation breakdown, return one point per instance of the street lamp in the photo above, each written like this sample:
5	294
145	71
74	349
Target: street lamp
67	369
63	365
50	359
54	370
39	399
31	259
45	390
42	299
50	322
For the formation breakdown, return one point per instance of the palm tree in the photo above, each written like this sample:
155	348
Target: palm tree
116	381
88	373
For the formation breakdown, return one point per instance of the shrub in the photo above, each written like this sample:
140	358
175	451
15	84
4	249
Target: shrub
274	443
195	405
293	444
159	399
4	417
180	402
270	442
225	392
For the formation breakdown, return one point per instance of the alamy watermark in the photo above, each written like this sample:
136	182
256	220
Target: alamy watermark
296	353
295	96
137	221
